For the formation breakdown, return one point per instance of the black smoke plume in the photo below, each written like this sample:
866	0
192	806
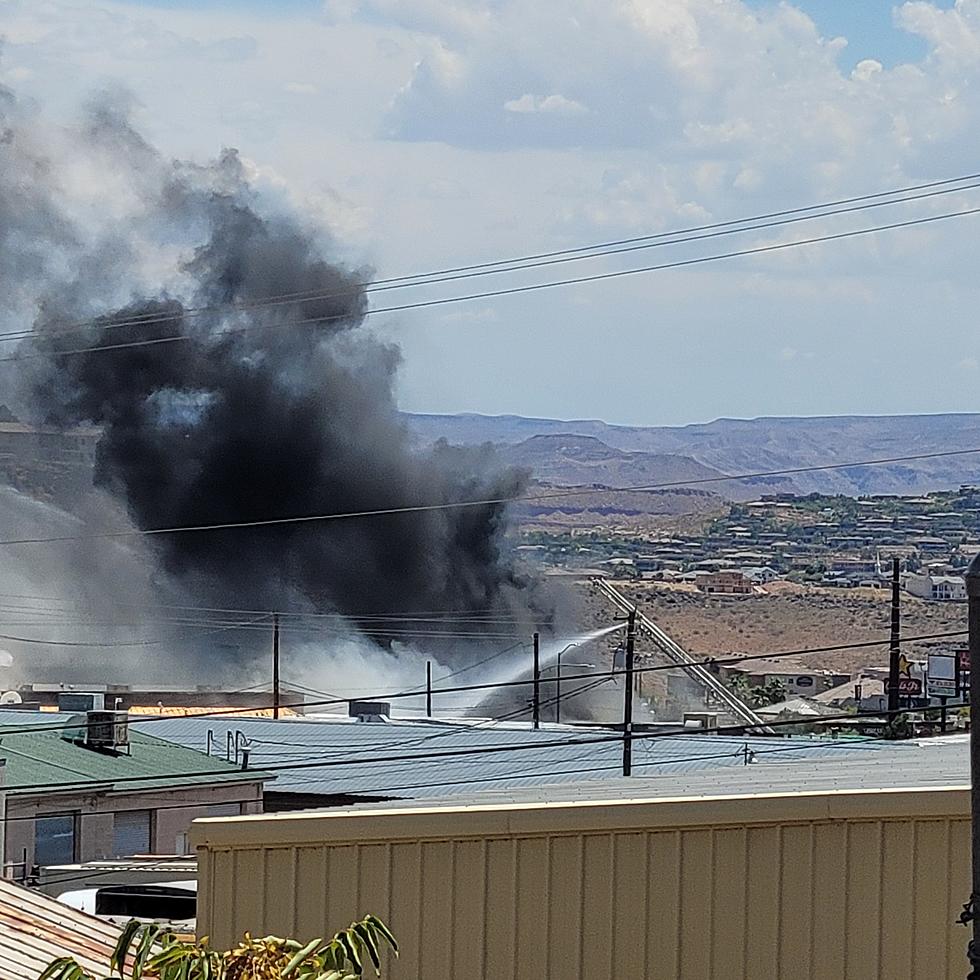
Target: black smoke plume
259	395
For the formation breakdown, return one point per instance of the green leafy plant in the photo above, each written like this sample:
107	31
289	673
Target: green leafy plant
147	950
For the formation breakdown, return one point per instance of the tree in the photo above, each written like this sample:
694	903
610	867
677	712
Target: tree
764	695
150	950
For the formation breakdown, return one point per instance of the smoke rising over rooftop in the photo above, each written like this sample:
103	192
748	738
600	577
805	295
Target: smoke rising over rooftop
232	414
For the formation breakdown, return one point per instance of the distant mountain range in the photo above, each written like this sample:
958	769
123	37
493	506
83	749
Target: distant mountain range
588	451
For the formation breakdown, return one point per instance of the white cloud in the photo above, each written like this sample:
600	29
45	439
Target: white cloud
865	70
442	132
557	104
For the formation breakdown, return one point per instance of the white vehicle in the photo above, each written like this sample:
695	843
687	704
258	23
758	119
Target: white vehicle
171	903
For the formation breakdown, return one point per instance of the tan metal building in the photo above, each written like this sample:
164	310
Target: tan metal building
820	885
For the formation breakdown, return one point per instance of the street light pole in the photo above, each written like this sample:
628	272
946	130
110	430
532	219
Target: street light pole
970	910
561	653
894	648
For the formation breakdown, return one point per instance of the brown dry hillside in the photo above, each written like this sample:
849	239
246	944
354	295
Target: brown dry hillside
789	618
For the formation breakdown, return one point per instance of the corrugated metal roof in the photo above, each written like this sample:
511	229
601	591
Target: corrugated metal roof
353	752
45	760
900	767
36	929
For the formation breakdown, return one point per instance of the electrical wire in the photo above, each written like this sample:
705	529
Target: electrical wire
483	502
512	290
375	759
708	662
638	763
537	260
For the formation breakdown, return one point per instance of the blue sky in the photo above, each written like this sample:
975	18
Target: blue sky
868	25
420	134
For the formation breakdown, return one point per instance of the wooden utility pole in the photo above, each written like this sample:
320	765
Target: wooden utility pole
428	689
275	665
536	696
628	696
970	909
894	650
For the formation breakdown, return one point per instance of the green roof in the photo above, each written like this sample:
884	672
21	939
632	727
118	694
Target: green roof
42	761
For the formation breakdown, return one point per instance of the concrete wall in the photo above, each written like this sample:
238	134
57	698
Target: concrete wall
819	886
95	823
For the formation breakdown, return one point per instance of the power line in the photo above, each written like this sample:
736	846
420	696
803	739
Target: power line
536	260
706	662
740	729
864	744
188	805
512	290
443	615
486	501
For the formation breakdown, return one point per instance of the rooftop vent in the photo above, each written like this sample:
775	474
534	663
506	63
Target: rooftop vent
373	711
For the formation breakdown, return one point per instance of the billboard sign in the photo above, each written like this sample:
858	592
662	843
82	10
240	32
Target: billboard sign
941	676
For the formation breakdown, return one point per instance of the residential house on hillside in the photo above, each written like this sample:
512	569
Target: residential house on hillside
81	788
724	582
946	588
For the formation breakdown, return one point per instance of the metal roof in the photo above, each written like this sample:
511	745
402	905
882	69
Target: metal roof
36	929
354	753
43	761
924	765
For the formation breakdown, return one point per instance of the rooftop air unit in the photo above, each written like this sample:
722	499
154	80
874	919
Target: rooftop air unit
705	720
81	701
375	711
107	730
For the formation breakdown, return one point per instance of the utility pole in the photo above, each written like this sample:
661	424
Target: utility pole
275	665
970	909
628	696
428	689
3	819
558	690
536	696
894	649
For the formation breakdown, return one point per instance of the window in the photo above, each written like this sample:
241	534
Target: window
161	902
55	839
131	832
224	810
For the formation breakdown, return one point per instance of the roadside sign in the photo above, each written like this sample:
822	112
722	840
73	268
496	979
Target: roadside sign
940	687
941	674
906	685
941	667
963	670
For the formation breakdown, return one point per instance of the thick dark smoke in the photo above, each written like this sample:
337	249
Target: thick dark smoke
218	407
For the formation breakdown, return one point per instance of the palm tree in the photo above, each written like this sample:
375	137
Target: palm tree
150	950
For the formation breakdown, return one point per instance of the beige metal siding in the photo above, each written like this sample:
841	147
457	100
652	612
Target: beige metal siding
818	886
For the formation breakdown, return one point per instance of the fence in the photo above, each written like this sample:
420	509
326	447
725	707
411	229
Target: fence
822	886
